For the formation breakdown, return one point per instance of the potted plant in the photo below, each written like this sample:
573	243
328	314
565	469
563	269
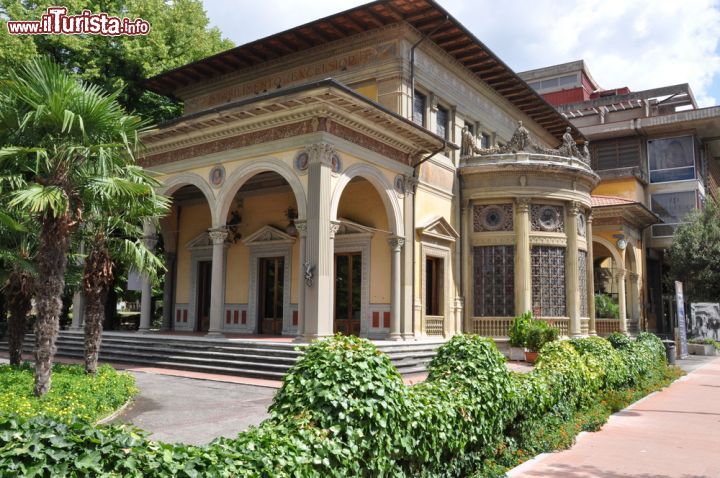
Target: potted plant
539	333
517	334
700	346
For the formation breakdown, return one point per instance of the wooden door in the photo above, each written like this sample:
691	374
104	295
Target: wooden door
272	273
204	287
348	281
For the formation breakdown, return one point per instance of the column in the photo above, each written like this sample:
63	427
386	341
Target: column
467	291
78	311
146	284
320	244
301	227
592	330
396	246
217	280
408	316
620	278
523	279
635	308
168	288
572	288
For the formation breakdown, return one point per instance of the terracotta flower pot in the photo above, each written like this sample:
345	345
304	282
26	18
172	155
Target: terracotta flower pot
531	356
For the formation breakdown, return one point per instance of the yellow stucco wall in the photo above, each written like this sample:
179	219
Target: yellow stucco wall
361	203
626	188
194	219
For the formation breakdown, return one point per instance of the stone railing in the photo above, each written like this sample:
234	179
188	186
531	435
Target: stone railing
607	326
434	325
499	326
526	158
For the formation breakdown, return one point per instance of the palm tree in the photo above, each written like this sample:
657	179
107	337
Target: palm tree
61	134
114	237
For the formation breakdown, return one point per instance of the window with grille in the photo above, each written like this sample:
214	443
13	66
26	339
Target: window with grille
616	153
443	119
548	281
419	108
582	282
494	281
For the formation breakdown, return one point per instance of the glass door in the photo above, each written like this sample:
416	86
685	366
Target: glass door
272	272
348	277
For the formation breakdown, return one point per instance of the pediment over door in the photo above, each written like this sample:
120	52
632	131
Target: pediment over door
352	229
201	241
268	235
438	228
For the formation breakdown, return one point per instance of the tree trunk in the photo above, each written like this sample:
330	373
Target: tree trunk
52	263
97	279
18	291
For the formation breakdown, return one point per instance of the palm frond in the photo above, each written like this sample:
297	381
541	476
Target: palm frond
38	199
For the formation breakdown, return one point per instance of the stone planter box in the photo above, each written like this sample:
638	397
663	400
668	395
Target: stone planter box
701	349
517	353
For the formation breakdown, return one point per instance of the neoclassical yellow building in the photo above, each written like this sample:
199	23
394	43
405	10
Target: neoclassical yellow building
378	172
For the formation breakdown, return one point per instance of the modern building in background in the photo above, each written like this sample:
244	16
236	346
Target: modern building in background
658	156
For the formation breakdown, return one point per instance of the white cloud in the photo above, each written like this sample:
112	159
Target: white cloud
641	44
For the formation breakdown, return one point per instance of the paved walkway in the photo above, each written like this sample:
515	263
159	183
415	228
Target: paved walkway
186	410
674	433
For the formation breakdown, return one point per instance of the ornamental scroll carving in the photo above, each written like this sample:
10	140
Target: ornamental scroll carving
521	142
547	218
493	217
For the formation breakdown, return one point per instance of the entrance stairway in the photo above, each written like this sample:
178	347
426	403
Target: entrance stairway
242	357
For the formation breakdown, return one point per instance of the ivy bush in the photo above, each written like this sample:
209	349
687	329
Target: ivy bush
74	394
343	410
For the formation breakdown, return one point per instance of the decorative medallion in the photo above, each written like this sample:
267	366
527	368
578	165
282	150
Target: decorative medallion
547	218
399	184
495	217
302	160
217	176
581	224
336	163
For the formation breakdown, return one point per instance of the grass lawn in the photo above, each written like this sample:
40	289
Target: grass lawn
73	394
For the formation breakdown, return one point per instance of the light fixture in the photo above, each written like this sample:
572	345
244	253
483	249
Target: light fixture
621	242
291	214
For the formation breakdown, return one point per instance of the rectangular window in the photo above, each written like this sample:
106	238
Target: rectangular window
485	140
443	120
616	153
419	108
494	281
548	281
433	286
671	159
672	209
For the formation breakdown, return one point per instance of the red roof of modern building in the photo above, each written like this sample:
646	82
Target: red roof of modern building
599	201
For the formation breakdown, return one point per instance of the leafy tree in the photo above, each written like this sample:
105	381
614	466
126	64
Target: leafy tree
65	137
179	35
114	237
695	254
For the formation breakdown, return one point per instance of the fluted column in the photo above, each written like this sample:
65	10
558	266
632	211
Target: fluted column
635	308
320	244
468	292
396	246
572	287
592	330
620	278
408	316
145	284
523	280
168	287
301	227
217	280
78	311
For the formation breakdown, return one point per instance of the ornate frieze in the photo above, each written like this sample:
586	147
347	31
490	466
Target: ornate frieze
547	218
493	217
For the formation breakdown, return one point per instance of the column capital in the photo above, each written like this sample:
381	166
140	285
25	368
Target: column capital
218	235
620	274
574	208
634	277
396	243
522	204
320	153
588	216
409	184
301	226
334	227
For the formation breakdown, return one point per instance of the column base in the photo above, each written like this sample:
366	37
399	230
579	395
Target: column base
311	337
395	337
214	334
143	331
408	337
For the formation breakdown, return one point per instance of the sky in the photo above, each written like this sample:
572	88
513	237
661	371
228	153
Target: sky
640	44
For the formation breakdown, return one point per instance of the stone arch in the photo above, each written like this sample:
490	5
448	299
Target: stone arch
173	183
384	189
242	174
617	257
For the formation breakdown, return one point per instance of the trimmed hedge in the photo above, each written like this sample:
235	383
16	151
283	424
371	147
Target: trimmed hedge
344	411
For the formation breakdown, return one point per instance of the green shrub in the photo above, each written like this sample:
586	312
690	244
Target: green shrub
606	306
74	394
618	340
603	361
517	332
538	334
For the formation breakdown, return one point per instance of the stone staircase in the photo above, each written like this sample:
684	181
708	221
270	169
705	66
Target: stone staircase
242	357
